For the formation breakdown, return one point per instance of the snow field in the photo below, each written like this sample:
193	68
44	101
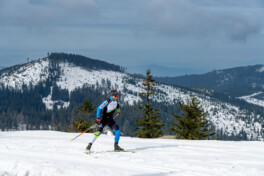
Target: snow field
51	153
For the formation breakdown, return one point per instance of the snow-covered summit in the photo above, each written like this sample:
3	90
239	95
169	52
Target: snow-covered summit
29	75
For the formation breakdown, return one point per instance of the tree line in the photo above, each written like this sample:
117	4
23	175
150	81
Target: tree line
191	124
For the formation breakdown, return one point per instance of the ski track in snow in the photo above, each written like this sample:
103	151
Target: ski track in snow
51	153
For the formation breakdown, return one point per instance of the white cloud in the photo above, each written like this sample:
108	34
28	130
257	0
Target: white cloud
187	17
49	12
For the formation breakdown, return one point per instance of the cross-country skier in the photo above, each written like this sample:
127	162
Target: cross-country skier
104	117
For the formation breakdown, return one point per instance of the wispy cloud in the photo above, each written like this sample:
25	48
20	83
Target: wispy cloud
34	13
188	17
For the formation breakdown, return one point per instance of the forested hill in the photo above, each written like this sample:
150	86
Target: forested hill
43	94
241	78
86	62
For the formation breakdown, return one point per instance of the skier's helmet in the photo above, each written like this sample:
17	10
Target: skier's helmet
114	93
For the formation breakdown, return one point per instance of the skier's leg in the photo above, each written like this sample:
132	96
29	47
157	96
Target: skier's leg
117	136
100	128
113	125
98	132
96	135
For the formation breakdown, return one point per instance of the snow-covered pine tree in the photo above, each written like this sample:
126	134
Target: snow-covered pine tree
82	114
148	125
193	124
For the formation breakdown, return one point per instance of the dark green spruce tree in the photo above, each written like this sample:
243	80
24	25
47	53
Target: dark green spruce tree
148	125
193	124
82	114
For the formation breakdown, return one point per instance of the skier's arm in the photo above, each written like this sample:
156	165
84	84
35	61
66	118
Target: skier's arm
99	109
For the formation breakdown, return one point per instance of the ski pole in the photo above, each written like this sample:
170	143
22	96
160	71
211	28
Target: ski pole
90	128
83	132
116	115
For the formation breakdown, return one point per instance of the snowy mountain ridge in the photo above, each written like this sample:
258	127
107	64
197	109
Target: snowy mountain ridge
227	118
247	78
29	74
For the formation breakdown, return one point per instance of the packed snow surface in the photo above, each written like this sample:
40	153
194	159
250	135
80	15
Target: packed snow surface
51	153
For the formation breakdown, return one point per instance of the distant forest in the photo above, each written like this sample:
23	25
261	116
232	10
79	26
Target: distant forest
86	62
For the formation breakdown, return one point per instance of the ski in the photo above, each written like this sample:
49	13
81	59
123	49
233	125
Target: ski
92	154
129	151
124	151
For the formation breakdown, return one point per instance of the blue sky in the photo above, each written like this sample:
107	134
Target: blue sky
173	37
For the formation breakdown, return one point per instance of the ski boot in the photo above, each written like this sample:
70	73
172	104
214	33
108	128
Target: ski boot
117	148
88	148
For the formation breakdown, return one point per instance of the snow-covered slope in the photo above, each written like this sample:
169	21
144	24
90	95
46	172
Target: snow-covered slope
49	153
253	99
261	69
229	119
30	74
246	78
